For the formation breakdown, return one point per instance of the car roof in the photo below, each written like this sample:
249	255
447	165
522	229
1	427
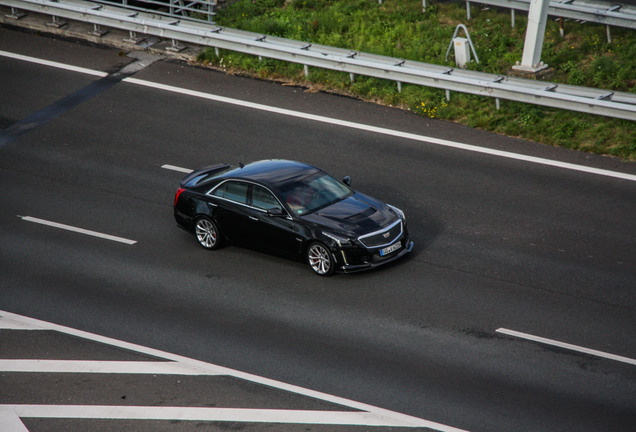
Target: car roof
273	173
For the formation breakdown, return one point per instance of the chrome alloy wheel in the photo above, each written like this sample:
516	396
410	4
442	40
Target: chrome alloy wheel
207	233
320	259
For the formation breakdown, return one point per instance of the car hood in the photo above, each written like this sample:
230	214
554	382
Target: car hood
353	216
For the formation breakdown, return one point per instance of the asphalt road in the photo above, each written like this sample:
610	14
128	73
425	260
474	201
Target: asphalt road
500	243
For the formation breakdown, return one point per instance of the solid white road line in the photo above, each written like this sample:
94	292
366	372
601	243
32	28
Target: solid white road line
53	64
78	230
350	418
384	131
360	126
566	346
105	367
368	415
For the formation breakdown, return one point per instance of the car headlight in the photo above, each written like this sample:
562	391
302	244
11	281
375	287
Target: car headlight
340	240
398	212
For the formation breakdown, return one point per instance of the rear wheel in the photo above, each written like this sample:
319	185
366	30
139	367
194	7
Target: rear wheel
207	233
321	259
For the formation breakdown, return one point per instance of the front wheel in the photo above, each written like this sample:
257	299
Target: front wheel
321	259
207	233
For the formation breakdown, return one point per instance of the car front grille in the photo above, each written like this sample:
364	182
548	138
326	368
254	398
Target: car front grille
382	238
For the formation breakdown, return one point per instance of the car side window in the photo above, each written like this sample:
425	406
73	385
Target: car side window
233	191
263	199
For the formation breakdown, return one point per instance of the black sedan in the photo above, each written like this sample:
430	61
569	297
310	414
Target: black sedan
293	209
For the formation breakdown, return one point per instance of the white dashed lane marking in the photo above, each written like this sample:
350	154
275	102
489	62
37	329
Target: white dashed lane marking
78	230
567	346
176	168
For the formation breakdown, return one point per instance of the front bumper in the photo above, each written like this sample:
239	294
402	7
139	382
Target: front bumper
352	260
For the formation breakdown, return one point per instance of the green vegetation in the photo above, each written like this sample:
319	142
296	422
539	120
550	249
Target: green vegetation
399	28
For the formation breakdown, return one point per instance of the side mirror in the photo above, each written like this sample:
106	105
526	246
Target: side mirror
276	212
347	180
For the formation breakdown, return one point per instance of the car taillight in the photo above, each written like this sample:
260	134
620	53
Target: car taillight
176	197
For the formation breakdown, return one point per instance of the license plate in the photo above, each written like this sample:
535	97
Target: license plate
387	250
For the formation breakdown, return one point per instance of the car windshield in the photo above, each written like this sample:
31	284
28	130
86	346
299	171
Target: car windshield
313	192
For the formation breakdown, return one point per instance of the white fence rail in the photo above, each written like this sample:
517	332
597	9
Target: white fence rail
593	101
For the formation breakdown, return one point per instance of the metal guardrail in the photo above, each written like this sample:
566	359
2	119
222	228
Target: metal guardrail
593	101
610	14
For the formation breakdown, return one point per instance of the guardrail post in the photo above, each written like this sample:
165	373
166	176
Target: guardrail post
175	47
468	10
55	23
306	69
15	14
614	8
512	18
211	12
132	38
97	31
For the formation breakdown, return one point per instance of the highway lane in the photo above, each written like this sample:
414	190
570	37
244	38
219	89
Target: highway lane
500	243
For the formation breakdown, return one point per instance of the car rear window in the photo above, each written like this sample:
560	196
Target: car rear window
233	191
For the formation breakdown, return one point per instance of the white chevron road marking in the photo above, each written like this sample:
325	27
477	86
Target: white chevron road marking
360	414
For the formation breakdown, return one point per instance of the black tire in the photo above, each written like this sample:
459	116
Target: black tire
320	259
207	233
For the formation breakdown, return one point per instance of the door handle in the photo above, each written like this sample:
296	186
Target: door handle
253	218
